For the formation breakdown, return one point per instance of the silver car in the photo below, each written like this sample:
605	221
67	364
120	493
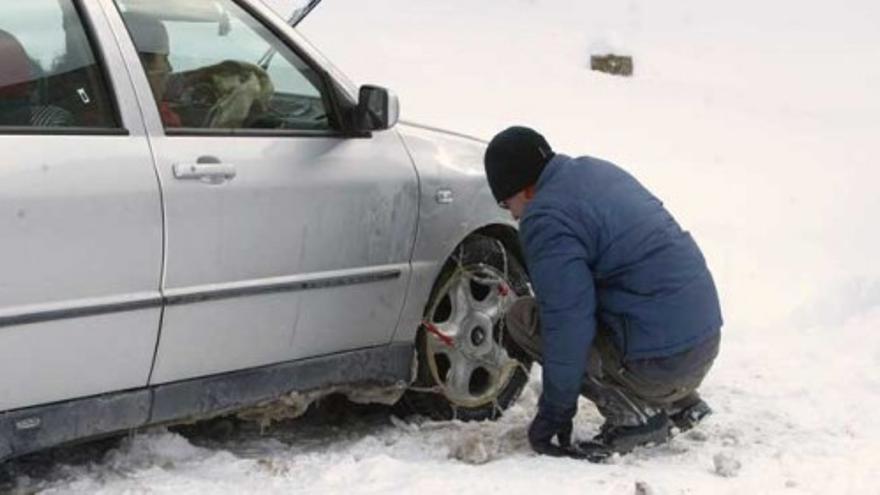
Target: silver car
200	216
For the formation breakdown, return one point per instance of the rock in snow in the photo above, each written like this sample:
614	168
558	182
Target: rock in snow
642	488
726	464
472	449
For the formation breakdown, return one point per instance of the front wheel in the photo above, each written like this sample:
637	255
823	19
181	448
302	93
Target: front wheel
468	366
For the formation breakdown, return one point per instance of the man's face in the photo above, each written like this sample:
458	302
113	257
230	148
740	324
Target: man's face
158	69
516	204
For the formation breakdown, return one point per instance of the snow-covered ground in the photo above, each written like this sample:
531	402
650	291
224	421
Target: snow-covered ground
757	122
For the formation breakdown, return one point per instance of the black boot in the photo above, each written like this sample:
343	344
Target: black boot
690	415
623	439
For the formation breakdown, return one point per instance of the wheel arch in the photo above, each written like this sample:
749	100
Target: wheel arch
507	235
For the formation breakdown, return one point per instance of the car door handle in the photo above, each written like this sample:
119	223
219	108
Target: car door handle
206	172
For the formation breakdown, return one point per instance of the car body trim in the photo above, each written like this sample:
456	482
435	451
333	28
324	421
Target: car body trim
294	283
133	302
53	424
79	308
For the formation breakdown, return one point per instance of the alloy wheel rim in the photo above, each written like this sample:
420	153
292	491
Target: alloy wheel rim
465	329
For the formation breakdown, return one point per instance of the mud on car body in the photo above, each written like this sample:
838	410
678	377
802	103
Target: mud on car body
202	216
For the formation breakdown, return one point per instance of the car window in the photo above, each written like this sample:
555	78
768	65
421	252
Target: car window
49	74
212	65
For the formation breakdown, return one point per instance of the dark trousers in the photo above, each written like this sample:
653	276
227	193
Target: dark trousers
626	393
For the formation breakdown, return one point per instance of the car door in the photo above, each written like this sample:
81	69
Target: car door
285	239
80	212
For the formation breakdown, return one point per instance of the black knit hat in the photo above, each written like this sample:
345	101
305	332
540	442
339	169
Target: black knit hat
514	160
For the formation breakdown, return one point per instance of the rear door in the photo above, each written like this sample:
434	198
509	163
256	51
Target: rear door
80	212
285	239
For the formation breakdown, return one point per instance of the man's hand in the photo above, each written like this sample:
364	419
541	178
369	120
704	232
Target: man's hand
545	428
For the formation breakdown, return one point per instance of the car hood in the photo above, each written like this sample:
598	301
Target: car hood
410	123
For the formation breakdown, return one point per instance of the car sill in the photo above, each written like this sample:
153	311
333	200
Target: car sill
28	430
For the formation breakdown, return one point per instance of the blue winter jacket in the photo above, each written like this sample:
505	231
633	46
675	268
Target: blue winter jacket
601	248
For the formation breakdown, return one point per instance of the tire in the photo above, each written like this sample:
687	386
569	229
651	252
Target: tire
468	367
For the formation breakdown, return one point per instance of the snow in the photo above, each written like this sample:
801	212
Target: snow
756	122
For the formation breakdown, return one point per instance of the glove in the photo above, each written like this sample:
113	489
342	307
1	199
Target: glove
541	433
549	424
545	427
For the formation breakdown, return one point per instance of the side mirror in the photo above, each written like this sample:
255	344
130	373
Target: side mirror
378	109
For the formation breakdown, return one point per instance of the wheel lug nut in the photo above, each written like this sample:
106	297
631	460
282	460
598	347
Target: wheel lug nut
478	336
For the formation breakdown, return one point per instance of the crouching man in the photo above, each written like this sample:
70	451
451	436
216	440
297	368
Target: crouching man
627	313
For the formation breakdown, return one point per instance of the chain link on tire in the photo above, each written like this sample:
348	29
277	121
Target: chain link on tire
469	368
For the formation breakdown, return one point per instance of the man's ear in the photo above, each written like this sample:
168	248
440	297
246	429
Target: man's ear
529	192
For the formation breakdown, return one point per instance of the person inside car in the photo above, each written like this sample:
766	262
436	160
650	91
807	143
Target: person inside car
153	46
17	82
